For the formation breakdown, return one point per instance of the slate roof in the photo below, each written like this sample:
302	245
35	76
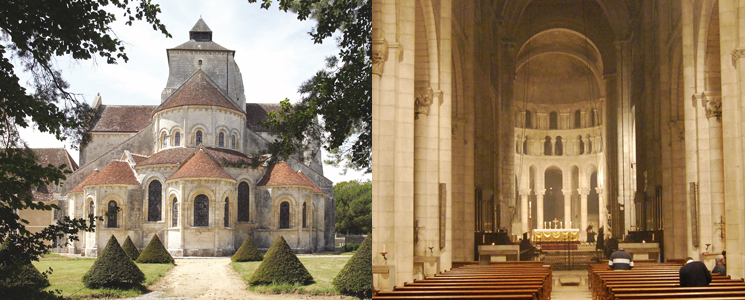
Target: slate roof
79	187
257	112
281	174
116	172
198	90
123	118
204	45
201	165
200	26
316	189
55	157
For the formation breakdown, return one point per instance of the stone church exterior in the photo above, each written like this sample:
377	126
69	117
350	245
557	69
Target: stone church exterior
180	170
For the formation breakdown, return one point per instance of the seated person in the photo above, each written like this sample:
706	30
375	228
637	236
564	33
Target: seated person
694	273
620	260
719	268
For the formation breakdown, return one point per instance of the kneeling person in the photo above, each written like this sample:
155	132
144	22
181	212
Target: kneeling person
694	273
621	260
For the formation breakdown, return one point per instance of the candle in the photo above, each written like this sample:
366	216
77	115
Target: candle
430	243
561	224
383	247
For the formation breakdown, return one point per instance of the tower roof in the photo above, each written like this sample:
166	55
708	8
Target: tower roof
316	189
79	187
201	165
281	174
116	172
199	89
200	26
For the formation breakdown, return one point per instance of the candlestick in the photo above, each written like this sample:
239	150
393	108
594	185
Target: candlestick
383	247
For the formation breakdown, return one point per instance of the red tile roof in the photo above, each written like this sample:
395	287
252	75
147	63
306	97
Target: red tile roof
139	158
123	118
257	112
55	157
198	90
281	174
167	156
316	189
116	172
79	187
227	155
201	165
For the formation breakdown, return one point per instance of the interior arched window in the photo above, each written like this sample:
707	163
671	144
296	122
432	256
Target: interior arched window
525	146
553	120
589	145
547	146
304	215
592	117
226	218
284	215
577	119
581	145
243	202
201	211
221	140
154	201
528	119
111	214
91	209
232	141
165	140
177	139
174	212
558	146
199	137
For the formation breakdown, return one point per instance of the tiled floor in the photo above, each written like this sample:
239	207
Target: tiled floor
579	292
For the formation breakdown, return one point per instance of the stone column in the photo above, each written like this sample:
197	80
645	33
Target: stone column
712	102
567	207
583	211
524	210
539	207
602	218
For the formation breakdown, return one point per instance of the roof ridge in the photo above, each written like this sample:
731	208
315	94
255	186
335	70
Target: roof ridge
187	82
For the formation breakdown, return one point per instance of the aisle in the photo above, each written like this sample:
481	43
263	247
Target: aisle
579	292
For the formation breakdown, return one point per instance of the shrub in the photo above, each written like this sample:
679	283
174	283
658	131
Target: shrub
113	268
247	252
130	249
351	247
155	253
356	277
280	265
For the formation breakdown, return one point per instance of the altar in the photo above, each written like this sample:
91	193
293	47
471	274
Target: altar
555	235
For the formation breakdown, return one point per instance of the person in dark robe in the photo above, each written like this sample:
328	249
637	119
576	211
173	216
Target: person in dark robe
590	234
600	245
694	273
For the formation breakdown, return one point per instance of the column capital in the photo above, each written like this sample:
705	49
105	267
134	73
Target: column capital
525	192
599	190
712	102
583	192
380	52
539	193
737	54
566	192
424	99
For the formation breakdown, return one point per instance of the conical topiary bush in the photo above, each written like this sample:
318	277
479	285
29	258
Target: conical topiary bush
130	249
355	278
17	280
280	265
113	268
247	252
155	253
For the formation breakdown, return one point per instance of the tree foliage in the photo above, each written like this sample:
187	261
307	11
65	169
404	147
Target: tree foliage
247	252
353	207
32	34
19	279
355	278
130	249
155	253
113	268
341	94
281	265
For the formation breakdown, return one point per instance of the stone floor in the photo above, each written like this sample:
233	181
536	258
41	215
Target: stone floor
579	292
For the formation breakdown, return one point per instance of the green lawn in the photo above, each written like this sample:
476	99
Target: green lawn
68	273
323	269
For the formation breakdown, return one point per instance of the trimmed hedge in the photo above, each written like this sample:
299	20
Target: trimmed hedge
130	249
247	252
351	247
280	265
355	278
155	253
113	268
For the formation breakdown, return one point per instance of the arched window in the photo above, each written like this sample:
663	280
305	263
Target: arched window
177	139
304	215
221	140
592	117
525	146
547	146
92	209
226	218
243	205
111	214
589	145
165	140
199	137
553	120
232	141
581	146
154	201
517	146
174	213
201	211
284	215
558	146
577	119
528	119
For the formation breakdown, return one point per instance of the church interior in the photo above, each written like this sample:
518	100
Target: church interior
499	118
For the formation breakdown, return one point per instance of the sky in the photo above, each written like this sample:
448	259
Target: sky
273	50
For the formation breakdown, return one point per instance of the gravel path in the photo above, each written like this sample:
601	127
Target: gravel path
209	278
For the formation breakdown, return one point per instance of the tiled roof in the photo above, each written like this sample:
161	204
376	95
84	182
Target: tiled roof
55	157
201	165
167	156
116	172
203	45
139	158
123	118
228	155
198	90
281	174
316	189
79	187
257	112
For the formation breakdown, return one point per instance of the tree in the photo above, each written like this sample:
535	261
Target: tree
113	268
155	253
130	249
33	33
280	265
353	207
355	278
247	252
341	94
